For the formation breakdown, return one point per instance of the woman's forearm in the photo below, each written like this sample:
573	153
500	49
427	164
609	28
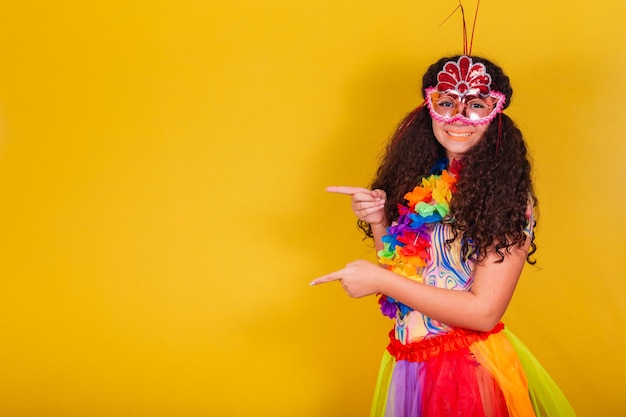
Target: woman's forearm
451	307
378	231
480	308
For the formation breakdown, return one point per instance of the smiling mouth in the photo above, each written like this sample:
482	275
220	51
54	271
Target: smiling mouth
459	136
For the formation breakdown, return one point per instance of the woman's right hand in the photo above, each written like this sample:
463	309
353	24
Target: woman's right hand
368	205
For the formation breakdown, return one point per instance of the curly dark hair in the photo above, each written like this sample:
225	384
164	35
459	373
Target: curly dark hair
488	209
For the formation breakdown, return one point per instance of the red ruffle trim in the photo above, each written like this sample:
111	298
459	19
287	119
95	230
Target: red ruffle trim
429	348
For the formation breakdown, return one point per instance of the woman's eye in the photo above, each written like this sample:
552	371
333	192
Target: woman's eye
478	105
445	104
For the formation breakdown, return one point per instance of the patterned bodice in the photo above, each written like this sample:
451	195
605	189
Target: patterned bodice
445	269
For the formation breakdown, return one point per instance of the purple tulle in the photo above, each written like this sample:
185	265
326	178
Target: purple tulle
405	399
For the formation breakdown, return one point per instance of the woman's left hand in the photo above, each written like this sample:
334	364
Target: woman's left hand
358	278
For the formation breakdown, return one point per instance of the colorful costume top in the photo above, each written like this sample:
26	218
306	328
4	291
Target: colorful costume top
419	246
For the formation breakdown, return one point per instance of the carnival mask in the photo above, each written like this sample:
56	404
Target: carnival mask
463	93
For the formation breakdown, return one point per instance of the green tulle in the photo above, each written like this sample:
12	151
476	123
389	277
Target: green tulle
379	402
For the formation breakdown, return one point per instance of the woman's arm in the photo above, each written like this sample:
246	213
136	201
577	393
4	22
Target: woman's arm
378	231
480	308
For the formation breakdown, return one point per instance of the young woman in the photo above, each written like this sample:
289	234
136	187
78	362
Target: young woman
451	214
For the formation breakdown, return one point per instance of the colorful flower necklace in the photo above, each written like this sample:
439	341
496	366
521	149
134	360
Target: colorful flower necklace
407	243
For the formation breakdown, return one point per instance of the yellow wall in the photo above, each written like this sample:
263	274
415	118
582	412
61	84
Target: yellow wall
162	166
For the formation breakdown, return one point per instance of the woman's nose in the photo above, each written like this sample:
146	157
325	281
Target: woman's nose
461	109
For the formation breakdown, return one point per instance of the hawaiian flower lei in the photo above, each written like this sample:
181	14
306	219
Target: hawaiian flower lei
407	242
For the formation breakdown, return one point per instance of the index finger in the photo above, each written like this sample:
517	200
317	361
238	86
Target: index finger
342	189
333	276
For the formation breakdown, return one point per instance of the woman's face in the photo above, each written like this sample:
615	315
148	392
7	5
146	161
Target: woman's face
458	138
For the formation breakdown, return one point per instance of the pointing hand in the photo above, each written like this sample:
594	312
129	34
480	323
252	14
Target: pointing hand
367	205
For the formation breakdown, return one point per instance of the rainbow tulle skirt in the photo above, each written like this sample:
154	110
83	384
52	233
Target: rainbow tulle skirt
468	374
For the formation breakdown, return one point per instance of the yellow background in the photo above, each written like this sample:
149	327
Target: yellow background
162	174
